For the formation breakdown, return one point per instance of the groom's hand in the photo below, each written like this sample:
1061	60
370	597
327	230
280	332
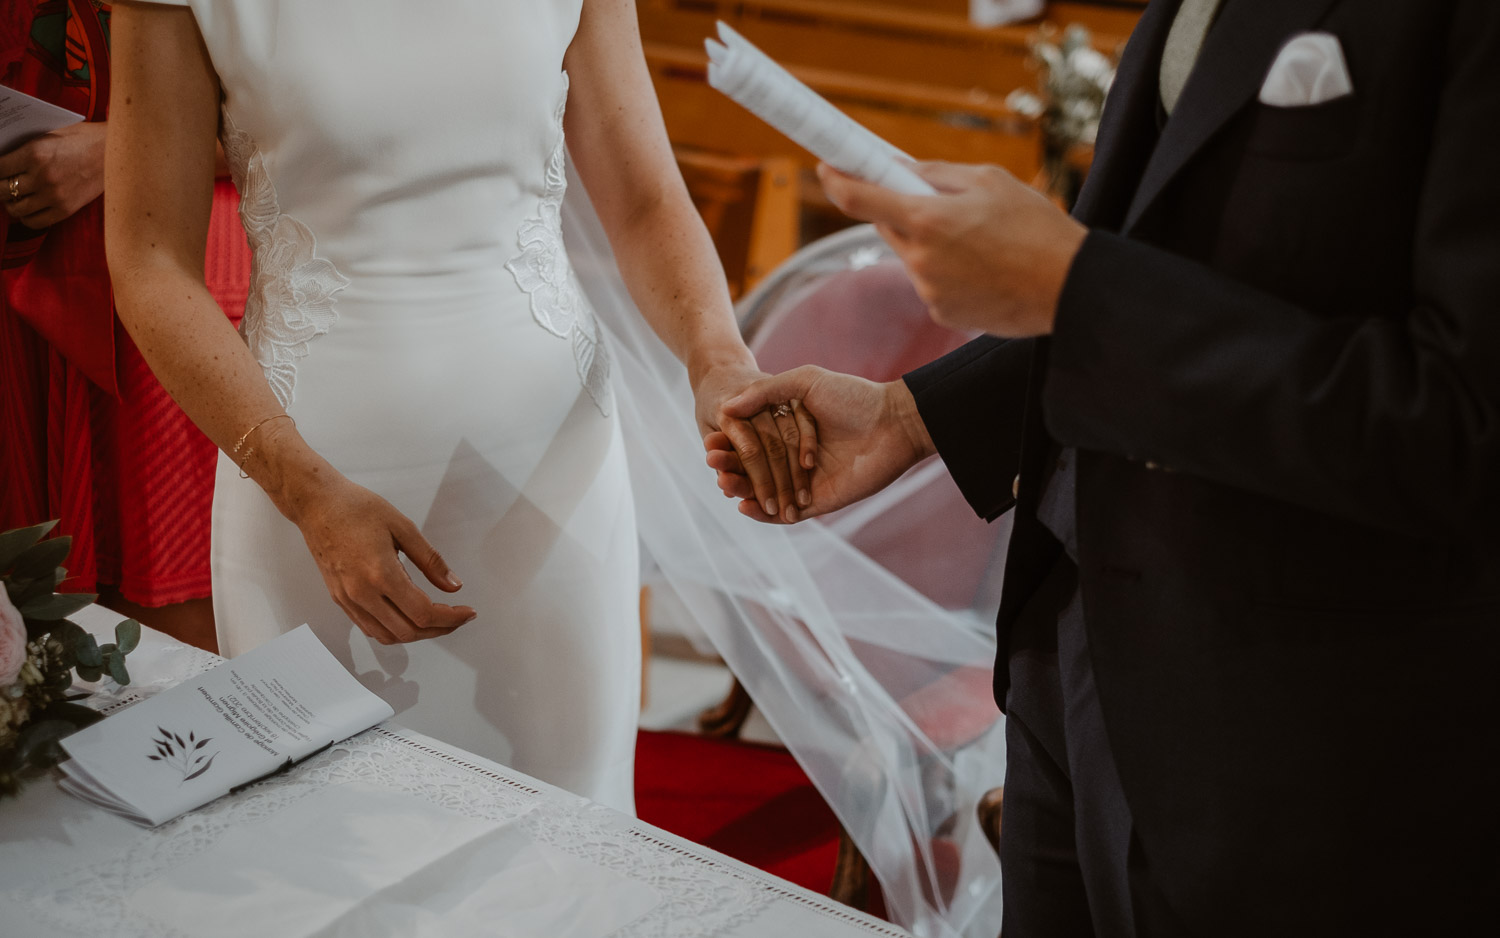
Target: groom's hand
987	252
867	435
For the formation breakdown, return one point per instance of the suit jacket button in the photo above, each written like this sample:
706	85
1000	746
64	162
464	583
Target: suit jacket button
1015	488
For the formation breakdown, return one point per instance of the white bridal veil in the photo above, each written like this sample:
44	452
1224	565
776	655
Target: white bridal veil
869	684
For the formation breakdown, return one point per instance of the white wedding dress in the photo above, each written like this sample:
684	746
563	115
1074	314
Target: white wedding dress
402	171
401	168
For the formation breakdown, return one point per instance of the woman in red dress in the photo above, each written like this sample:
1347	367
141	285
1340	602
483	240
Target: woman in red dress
87	435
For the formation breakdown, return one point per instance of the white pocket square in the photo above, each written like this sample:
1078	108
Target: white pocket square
1310	69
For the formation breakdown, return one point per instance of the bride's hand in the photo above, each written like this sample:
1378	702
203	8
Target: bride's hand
355	535
776	446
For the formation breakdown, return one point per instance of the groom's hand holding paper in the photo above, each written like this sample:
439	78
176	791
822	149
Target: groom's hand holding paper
986	252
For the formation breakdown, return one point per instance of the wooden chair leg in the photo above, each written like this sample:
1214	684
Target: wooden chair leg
645	645
851	875
727	718
988	810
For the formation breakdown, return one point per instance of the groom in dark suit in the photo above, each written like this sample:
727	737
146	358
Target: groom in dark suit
1248	416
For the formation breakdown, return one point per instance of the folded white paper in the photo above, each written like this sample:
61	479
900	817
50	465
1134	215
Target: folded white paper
765	89
24	118
248	718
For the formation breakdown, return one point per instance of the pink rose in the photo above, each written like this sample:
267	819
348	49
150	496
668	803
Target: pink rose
12	640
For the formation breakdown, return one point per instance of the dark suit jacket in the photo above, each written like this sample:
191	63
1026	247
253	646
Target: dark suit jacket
1278	354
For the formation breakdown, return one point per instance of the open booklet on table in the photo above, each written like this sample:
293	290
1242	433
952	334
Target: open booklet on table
756	82
24	118
248	718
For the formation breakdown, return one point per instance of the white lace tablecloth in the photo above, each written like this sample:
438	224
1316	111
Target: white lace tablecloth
389	833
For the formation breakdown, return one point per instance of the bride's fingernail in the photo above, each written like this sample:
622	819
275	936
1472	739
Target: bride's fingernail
808	461
791	516
804	498
770	506
455	582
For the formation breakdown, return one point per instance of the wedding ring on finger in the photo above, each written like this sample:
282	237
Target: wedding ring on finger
784	409
15	188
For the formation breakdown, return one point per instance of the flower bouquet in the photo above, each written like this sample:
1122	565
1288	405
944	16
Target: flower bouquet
40	652
1075	78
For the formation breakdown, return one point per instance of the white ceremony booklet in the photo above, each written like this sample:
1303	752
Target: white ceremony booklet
756	82
24	118
246	719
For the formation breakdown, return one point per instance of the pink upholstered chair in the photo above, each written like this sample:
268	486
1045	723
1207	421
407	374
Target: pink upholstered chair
846	303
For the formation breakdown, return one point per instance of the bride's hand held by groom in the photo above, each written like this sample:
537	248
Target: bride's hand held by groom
778	445
865	436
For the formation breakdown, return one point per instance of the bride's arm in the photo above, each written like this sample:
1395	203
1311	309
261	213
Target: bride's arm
617	140
159	176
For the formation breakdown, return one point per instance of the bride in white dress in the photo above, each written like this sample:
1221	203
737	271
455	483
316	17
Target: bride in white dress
414	314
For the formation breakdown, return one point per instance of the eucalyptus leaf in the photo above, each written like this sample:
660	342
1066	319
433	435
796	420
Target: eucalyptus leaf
90	672
42	558
116	665
56	607
31	590
86	649
127	636
15	543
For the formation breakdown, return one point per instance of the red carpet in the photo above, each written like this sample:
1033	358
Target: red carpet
749	801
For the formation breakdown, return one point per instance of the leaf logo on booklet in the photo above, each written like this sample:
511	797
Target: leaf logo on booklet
183	755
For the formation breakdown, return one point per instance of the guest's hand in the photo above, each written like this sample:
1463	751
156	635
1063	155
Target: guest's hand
988	252
47	179
774	446
867	435
355	536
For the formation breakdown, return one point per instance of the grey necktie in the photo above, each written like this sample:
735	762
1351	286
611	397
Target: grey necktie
1184	42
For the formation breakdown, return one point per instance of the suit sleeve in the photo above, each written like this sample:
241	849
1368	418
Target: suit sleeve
972	402
1389	421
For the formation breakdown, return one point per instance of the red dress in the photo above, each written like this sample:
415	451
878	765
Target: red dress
87	434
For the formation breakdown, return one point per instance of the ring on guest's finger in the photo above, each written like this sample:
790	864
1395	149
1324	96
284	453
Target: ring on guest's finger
15	188
783	409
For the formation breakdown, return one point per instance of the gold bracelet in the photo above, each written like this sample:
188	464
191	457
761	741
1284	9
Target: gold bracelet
239	444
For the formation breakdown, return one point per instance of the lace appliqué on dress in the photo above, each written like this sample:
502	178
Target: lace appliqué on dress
543	272
291	288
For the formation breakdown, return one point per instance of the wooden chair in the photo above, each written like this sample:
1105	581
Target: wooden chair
750	207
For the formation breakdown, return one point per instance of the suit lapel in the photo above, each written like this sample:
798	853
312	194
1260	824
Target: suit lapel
1236	57
1127	129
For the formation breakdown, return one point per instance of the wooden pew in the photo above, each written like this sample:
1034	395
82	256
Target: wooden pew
914	71
750	206
892	41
